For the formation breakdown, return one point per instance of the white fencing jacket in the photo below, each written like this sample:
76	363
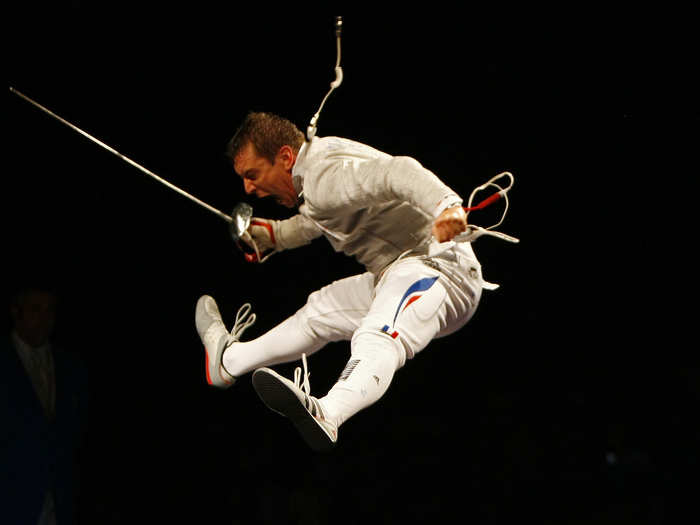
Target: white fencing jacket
368	204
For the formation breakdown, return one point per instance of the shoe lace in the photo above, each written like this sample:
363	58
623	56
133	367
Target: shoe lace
241	323
312	404
304	385
301	381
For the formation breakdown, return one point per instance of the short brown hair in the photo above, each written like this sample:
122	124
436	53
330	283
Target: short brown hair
268	133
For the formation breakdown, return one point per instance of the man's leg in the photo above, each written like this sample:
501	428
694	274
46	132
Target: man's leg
330	314
414	303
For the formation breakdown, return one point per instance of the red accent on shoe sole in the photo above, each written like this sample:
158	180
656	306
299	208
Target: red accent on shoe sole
206	357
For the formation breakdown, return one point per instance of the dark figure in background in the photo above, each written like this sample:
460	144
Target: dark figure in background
43	392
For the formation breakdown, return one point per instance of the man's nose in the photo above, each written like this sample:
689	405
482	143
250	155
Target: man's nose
248	186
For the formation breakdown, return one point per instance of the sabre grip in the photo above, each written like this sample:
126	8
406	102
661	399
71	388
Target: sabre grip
258	241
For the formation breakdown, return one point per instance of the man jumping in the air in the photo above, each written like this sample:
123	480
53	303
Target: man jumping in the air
383	210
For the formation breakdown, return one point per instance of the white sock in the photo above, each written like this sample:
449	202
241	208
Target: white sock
283	344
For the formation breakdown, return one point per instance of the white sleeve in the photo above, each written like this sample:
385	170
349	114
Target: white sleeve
294	232
360	184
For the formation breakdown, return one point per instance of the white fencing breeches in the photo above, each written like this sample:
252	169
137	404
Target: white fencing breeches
387	322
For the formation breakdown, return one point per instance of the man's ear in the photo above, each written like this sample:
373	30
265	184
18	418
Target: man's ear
286	156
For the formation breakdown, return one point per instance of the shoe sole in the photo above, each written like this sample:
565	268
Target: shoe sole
279	398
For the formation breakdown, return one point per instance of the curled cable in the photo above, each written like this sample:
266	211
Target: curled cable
311	130
501	193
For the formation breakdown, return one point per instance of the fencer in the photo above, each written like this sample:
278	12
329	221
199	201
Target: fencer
383	210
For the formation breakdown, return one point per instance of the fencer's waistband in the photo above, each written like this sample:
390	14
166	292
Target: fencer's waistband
446	261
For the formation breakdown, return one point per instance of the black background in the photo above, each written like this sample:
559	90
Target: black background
572	395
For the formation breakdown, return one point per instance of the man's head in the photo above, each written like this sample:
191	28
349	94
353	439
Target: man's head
263	152
33	311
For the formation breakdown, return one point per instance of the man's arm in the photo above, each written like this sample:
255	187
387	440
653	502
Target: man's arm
361	184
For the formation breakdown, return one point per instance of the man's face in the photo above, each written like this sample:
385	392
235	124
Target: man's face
264	179
34	317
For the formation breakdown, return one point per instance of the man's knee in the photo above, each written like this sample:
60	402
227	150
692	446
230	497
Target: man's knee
378	346
323	318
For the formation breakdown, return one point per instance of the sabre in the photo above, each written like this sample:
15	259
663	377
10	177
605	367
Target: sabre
242	213
234	226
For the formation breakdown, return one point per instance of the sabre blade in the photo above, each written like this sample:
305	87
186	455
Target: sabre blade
126	159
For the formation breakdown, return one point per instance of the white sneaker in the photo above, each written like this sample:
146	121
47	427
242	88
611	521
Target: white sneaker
216	339
293	401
